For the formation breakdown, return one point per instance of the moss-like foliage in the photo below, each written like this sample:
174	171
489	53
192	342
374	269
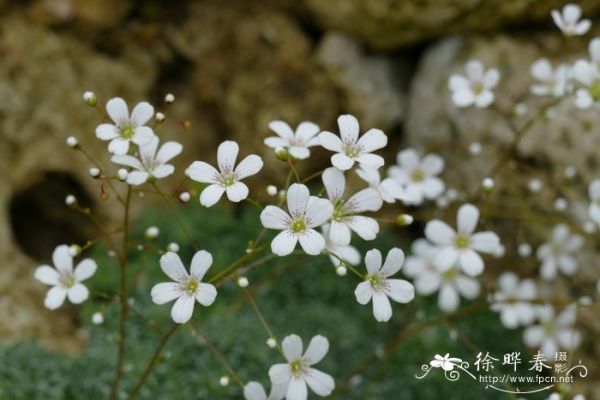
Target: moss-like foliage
298	294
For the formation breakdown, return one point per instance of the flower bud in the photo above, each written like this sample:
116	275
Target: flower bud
282	154
90	98
70	200
159	117
224	380
72	142
184	197
174	247
97	318
152	232
404	219
475	148
169	98
272	190
341	270
487	184
94	172
74	250
271	342
243	282
122	174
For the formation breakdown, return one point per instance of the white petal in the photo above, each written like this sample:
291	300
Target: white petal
47	275
331	142
371	160
363	293
211	195
458	82
172	266
400	290
485	242
276	141
432	164
282	129
254	391
182	309
297	199
471	263
128	161
165	292
143	136
118	146
148	151
162	171
319	382
55	298
582	27
312	242
393	262
594	187
382	309
248	166
533	336
316	350
440	233
137	177
467	218
409	159
571	13
237	192
548	269
491	78
300	153
334	182
373	261
349	128
318	212
594	49
306	131
468	287
446	259
168	151
432	188
541	70
85	269
62	259
448	299
348	254
107	132
373	139
274	218
583	99
284	243
557	18
297	390
279	374
339	233
427	283
342	161
201	262
292	347
484	99
227	153
206	294
367	199
117	110
463	97
369	175
202	172
142	113
474	69
78	293
365	227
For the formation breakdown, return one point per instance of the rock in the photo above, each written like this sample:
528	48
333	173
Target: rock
91	15
397	23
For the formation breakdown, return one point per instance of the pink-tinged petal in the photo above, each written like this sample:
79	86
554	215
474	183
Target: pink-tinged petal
55	298
471	263
400	290
312	242
373	139
292	347
331	142
318	212
339	233
393	262
183	309
117	110
165	292
316	350
173	267
206	294
297	390
137	177
274	218
373	261
142	113
382	309
200	171
371	160
467	218
446	259
118	146
85	269
280	374
319	382
62	259
440	233
282	129
226	155
432	164
168	151
342	161
107	132
306	131
47	275
297	199
284	243
128	161
334	182
448	299
201	262
211	195
249	166
485	242
365	227
237	192
143	136
363	293
78	293
367	199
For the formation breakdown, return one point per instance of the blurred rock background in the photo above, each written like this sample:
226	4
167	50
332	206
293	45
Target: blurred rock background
235	65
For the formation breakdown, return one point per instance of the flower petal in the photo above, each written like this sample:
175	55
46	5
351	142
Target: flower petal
62	259
201	262
400	290
280	374
137	177
467	218
339	233
334	182
316	350
183	309
349	128
448	299
318	212
128	161
367	199
292	347
284	243
331	142
297	390
341	161
371	160
373	139
78	293
168	151
85	269
393	262
55	297
485	242
273	217
440	233
211	195
446	258
312	242
432	164
206	294
226	155
118	146
172	266
117	110
382	309
142	113
47	275
297	199
365	227
165	292
319	382
143	136
200	171
282	129
363	292
471	263
237	192
306	131
107	132
249	166
254	391
373	261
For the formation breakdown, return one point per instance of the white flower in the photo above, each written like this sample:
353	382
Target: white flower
305	214
446	362
476	87
594	50
558	254
298	371
553	332
187	288
350	148
227	179
513	300
378	287
569	20
461	248
594	193
389	189
153	163
588	74
347	254
421	259
345	216
296	143
255	391
418	176
126	128
65	281
551	81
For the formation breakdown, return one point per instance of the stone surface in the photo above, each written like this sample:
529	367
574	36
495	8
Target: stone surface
88	15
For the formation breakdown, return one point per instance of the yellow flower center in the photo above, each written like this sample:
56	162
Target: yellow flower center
351	151
297	367
298	225
127	131
191	285
417	175
450	274
595	90
462	241
377	281
228	180
68	281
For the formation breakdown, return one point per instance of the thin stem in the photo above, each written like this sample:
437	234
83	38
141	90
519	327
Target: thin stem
178	219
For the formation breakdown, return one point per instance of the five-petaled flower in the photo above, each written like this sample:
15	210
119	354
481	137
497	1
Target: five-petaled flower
228	178
418	176
187	288
559	253
461	248
446	362
378	287
588	75
126	128
569	20
388	188
550	81
513	300
255	391
350	149
474	88
65	281
305	213
297	373
153	162
553	332
297	143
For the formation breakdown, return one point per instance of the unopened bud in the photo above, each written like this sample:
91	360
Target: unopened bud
282	154
271	342
243	282
224	380
94	172
152	232
97	318
169	98
90	98
184	197
122	174
404	219
341	270
70	200
74	250
72	142
272	190
174	247
487	184
159	117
